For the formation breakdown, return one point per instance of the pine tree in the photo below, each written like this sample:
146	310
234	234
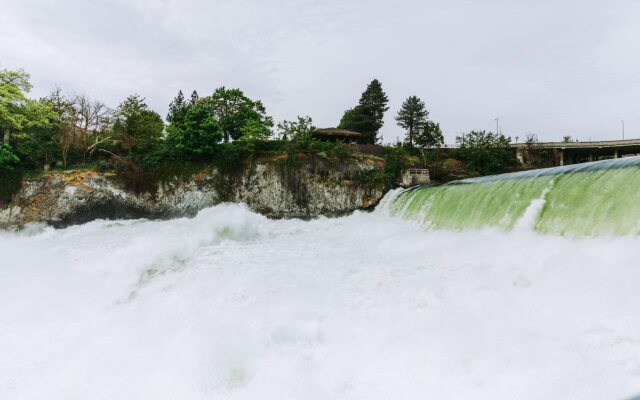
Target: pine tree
373	103
194	98
356	120
176	108
412	116
367	117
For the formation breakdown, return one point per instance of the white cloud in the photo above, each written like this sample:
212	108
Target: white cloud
549	67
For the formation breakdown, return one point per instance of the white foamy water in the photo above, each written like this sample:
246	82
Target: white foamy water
230	305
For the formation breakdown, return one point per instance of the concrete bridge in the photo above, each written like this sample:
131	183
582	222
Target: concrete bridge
578	152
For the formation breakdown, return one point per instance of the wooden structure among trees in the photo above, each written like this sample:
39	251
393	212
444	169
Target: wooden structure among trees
336	134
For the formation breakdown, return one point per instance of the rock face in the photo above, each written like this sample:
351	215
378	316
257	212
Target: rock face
313	187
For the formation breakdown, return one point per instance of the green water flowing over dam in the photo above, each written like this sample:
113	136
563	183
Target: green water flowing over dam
598	198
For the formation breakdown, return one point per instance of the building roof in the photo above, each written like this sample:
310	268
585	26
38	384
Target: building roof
337	132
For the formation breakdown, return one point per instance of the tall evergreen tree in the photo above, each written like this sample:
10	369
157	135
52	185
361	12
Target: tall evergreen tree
373	103
356	120
367	117
194	98
412	116
177	108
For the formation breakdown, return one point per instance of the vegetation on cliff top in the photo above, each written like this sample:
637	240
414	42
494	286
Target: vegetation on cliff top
225	129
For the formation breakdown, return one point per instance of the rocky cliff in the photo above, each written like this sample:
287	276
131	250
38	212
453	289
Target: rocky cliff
271	187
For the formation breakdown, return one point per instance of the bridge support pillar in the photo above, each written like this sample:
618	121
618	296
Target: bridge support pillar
615	154
561	157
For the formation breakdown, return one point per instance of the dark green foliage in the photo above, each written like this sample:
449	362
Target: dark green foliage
341	150
24	123
430	136
233	111
10	183
309	145
253	133
8	159
486	152
194	98
412	117
230	157
137	128
368	116
374	102
63	124
295	130
395	161
357	120
198	126
226	131
13	102
177	109
134	176
195	135
35	149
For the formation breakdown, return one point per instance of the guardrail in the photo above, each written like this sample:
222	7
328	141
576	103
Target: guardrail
418	171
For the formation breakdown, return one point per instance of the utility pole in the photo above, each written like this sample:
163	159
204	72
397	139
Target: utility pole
497	122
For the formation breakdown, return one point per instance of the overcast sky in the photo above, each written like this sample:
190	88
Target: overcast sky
553	68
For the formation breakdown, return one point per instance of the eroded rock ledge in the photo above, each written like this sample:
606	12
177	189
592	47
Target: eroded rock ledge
313	188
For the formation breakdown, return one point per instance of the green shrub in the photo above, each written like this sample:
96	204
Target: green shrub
486	152
395	161
8	160
230	157
341	150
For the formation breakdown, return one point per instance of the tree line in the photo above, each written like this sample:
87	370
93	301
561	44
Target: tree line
68	130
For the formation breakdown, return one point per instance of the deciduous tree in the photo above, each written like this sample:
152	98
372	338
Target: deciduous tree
233	110
429	136
197	134
92	120
294	130
65	122
486	152
136	127
13	101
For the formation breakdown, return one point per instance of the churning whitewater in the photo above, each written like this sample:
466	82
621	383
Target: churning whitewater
231	305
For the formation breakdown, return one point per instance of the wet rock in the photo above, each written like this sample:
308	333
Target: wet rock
312	188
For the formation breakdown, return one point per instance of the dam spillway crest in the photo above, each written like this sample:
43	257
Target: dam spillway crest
598	198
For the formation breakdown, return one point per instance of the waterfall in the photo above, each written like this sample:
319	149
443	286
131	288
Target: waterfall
598	198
